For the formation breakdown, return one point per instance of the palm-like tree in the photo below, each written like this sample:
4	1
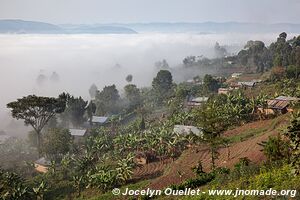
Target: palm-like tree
78	184
40	190
124	169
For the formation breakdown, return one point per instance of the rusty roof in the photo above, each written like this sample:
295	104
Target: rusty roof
277	104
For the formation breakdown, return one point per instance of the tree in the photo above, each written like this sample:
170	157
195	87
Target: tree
277	73
107	100
162	65
189	61
162	85
293	134
36	111
40	190
255	54
91	110
275	149
54	77
210	83
281	51
93	91
75	110
78	184
132	94
129	78
41	79
56	143
124	168
220	51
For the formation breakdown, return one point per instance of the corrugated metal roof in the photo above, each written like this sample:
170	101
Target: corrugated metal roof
43	161
185	130
249	84
98	119
199	99
77	132
286	98
277	104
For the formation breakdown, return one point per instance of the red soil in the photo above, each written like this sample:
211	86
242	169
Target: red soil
180	170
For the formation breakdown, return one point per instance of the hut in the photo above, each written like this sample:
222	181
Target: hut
42	165
186	130
279	105
196	101
99	120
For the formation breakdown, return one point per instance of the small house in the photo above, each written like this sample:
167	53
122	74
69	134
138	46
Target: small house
186	130
194	102
236	75
78	134
279	105
224	90
99	120
247	84
42	165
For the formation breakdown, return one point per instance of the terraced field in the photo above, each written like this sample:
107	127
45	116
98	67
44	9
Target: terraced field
244	140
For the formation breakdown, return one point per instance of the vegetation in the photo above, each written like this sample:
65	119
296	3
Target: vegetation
140	130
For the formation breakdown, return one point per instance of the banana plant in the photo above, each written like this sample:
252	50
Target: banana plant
40	190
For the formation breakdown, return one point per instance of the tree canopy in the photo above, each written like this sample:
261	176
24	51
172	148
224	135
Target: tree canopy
36	111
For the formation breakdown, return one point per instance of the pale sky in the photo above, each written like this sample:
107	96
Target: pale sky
124	11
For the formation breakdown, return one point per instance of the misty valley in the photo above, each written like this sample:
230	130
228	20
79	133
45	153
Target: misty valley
87	113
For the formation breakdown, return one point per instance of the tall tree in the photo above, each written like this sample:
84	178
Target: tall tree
56	143
36	111
93	91
129	78
133	95
281	51
75	110
293	133
107	100
162	85
210	84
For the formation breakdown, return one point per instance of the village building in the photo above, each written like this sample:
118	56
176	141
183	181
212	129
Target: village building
99	120
78	134
246	84
279	105
186	130
195	102
225	90
42	165
236	75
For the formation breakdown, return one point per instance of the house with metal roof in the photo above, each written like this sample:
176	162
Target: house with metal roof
42	165
236	75
77	132
196	101
99	119
186	130
225	90
248	84
279	105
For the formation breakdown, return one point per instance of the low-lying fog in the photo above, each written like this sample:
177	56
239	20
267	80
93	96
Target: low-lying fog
81	60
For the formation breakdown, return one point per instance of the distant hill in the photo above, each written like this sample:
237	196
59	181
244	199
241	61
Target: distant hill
20	26
214	27
23	27
97	29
